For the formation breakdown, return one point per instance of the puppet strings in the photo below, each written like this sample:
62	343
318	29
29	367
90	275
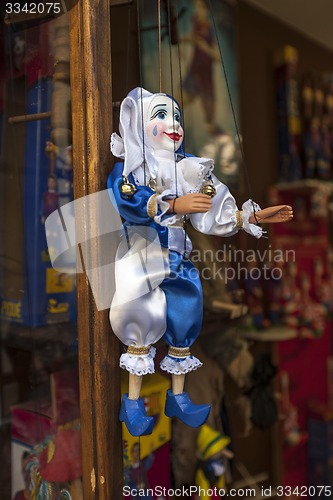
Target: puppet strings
229	96
172	88
233	110
159	43
180	79
173	102
142	124
141	83
128	41
182	107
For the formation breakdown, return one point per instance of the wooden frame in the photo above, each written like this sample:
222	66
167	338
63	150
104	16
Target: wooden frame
98	348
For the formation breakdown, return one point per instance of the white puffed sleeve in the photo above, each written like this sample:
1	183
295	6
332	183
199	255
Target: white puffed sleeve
220	220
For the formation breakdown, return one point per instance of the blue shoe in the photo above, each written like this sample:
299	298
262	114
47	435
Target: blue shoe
181	406
133	413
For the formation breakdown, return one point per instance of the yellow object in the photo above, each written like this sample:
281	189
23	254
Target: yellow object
127	189
58	282
286	54
209	189
202	482
153	392
239	219
50	451
211	442
152	206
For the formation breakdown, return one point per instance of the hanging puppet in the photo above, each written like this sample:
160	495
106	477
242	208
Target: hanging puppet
160	187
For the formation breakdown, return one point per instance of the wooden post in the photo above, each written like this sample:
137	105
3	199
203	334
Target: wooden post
98	348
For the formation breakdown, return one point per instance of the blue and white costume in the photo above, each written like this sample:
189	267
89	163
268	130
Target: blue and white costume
172	310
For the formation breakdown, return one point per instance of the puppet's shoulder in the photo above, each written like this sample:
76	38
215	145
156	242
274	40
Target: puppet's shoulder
115	173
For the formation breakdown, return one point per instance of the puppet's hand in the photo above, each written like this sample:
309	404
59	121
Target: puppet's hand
269	215
190	204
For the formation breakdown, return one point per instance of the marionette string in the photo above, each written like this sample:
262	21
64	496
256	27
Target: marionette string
172	88
141	83
141	99
159	43
233	110
180	79
129	18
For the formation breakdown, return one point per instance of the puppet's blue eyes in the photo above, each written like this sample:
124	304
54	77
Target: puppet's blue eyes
162	114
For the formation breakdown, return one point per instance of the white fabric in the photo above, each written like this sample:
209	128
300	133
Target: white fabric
218	469
142	321
138	308
183	176
248	207
220	220
141	264
180	367
175	179
179	241
142	364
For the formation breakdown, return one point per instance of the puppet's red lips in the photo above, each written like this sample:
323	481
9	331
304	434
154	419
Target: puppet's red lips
174	136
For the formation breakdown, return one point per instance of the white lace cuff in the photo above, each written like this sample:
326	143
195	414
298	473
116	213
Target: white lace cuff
138	364
248	207
164	206
180	366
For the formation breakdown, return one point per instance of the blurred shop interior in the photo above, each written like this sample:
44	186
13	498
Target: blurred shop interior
266	340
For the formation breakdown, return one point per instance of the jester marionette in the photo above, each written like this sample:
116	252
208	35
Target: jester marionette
158	186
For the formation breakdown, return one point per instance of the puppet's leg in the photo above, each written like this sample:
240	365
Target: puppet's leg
183	294
138	324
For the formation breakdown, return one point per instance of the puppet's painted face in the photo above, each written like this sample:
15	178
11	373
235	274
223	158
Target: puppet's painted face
163	129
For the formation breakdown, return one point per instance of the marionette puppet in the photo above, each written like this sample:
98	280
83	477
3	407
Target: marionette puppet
159	186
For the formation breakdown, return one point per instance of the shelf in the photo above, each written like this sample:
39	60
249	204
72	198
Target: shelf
304	185
273	334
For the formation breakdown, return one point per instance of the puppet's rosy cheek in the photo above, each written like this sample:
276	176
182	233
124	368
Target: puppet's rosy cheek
154	130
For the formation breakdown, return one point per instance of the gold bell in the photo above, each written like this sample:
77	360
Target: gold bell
127	189
208	188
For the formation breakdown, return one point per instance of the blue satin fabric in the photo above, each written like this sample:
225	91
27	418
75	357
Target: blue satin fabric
134	210
183	294
182	289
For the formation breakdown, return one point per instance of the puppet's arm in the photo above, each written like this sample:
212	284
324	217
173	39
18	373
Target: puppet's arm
218	215
270	215
221	217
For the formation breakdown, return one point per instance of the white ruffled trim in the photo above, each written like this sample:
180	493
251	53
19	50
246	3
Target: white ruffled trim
180	366
195	171
117	146
142	364
164	206
135	177
252	229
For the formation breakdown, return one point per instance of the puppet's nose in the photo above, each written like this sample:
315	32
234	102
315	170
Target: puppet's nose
176	124
173	124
